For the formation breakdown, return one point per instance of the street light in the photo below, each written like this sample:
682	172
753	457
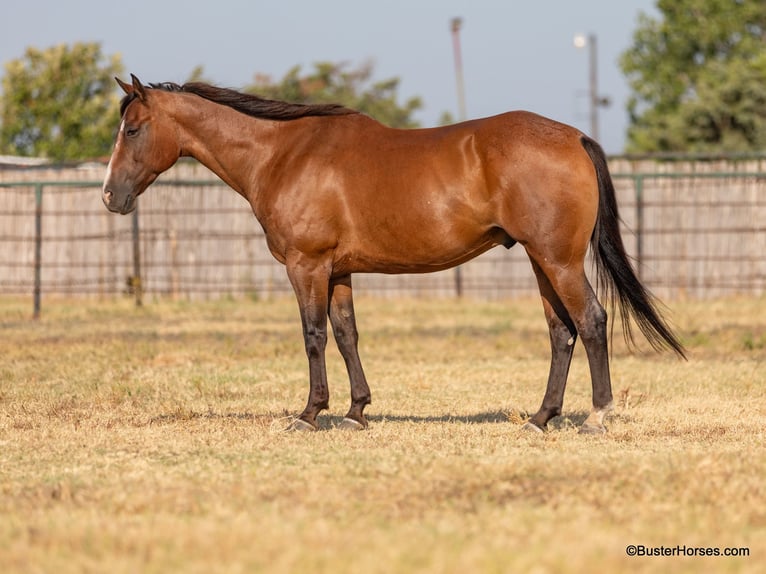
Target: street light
455	25
596	101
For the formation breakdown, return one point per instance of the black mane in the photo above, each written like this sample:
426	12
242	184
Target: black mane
249	104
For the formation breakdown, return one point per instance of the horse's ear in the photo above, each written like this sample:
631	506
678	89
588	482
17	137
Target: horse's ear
127	88
138	88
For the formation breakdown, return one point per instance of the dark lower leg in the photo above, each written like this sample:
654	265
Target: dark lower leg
596	345
311	282
562	335
346	336
315	338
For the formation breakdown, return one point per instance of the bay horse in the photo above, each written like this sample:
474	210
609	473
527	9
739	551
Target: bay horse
338	193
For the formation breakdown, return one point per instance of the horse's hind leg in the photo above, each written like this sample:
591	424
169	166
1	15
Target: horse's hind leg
563	335
593	333
569	283
346	336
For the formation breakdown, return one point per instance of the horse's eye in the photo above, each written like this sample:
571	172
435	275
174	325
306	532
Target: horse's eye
130	132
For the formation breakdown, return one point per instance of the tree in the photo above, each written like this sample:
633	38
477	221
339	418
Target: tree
334	83
198	75
60	103
698	76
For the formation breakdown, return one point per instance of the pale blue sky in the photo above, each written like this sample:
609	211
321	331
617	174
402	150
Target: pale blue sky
517	54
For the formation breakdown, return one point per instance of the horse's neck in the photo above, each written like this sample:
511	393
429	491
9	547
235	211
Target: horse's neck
219	137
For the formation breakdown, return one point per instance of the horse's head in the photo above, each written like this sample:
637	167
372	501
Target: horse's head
146	145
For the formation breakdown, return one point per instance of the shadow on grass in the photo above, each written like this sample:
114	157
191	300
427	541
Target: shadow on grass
184	415
330	422
568	420
477	418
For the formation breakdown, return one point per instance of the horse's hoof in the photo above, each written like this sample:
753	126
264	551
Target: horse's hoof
299	425
351	425
529	426
592	429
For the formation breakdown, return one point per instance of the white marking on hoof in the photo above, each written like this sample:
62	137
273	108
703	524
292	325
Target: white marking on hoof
594	424
598	415
299	425
531	427
592	429
350	424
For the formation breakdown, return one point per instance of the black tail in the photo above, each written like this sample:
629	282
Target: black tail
616	277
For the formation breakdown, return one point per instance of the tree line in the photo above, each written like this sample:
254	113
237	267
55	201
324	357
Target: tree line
697	74
63	103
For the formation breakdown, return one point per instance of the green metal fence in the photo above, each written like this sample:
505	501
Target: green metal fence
693	233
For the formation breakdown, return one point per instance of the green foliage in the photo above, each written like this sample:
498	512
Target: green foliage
334	83
198	75
698	76
60	103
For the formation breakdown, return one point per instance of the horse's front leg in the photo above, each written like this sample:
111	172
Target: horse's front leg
347	337
310	280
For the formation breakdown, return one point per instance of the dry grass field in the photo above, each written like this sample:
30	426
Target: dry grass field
150	440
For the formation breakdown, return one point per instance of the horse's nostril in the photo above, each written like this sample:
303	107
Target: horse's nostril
107	196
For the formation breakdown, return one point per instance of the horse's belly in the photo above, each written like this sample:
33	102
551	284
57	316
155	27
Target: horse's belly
414	253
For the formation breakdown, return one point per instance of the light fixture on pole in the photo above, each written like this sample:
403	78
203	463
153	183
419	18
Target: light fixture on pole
595	100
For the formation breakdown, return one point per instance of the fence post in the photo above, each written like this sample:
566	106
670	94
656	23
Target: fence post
458	282
36	289
639	225
136	279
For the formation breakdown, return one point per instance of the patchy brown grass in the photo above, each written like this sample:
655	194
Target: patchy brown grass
150	440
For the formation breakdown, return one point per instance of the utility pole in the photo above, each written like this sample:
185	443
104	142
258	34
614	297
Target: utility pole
595	100
455	25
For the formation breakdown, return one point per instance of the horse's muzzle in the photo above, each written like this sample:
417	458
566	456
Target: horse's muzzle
116	203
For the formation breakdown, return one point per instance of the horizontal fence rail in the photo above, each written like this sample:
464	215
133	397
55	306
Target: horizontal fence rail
695	230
